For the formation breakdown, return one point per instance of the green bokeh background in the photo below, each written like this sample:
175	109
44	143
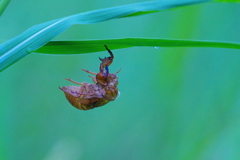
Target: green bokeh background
175	103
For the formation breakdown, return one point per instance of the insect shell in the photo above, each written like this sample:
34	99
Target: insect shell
88	96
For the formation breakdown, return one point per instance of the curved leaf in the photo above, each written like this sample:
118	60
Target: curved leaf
3	5
36	36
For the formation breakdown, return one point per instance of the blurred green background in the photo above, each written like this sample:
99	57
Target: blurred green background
175	103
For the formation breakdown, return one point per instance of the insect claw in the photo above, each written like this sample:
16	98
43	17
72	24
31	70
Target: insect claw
109	51
106	47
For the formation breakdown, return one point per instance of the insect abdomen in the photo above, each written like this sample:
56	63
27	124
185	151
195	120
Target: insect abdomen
74	98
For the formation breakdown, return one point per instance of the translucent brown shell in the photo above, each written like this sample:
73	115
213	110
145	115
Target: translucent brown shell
88	96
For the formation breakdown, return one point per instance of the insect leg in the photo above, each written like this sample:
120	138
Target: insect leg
93	79
91	76
118	71
102	83
73	81
89	72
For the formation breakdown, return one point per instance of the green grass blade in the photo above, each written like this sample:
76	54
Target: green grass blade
227	0
89	46
36	36
3	5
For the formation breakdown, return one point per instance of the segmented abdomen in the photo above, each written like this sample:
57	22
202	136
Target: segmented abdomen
85	97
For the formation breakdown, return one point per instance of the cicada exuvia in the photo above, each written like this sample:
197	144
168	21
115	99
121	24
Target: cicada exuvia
88	96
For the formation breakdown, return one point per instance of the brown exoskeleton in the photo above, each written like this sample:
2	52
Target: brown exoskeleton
88	96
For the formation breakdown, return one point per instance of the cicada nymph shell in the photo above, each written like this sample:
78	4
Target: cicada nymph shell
88	96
